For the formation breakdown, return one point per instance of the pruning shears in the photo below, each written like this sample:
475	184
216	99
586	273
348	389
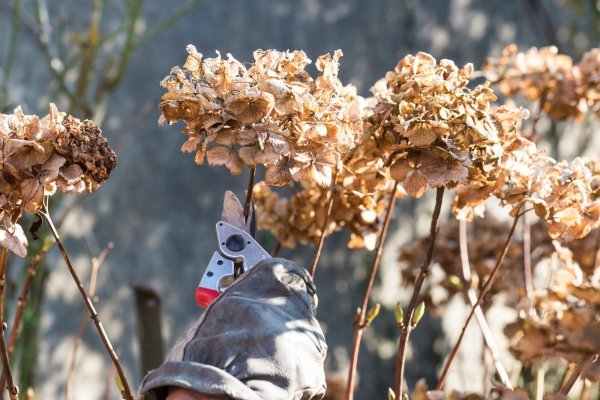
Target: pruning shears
237	251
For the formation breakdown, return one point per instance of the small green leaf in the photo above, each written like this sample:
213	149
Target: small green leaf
456	281
419	312
399	314
47	243
373	312
119	383
391	394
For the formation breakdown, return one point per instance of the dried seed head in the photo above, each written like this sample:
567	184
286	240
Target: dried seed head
40	156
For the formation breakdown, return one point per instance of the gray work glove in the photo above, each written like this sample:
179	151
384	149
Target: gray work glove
258	340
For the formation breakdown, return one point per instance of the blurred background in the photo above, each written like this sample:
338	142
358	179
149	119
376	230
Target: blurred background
103	60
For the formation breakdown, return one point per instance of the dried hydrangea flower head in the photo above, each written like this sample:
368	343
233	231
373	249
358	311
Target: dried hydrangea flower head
565	90
360	194
483	248
560	193
438	131
272	113
40	156
589	68
564	319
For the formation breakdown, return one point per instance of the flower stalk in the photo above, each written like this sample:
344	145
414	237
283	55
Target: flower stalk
361	322
331	192
13	390
248	202
125	390
412	305
486	288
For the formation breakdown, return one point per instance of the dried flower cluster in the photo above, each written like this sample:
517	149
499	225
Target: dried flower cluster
483	248
563	194
498	393
424	118
437	130
41	155
564	318
565	90
272	113
360	194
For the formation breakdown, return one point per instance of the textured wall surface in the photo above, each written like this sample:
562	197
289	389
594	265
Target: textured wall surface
159	208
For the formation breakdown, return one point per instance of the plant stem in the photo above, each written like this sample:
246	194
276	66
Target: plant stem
597	251
566	387
133	14
360	323
96	264
276	249
21	301
249	193
13	391
31	272
313	267
408	326
527	259
126	392
472	296
486	288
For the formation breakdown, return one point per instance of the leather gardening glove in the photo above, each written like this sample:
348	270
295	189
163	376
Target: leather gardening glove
258	340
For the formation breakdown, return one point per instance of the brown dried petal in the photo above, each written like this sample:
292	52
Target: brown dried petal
278	175
32	194
71	173
251	107
219	155
50	169
26	153
415	184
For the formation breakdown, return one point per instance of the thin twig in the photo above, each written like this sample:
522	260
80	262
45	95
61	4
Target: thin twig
133	15
249	190
31	272
96	264
89	52
126	391
566	387
276	249
313	267
485	329
22	299
583	393
486	288
360	322
540	17
527	270
597	251
167	23
538	115
13	391
407	327
10	56
540	378
57	67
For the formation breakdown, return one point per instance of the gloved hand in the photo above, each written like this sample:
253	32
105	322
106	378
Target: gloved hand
258	340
